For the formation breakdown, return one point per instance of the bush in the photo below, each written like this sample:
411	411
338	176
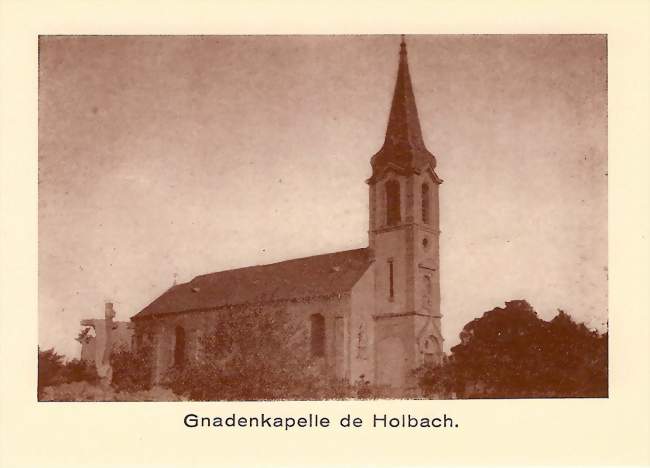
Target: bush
251	355
132	370
438	381
77	371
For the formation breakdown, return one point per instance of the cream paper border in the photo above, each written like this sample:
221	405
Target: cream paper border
574	431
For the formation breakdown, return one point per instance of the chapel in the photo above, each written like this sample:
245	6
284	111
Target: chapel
371	312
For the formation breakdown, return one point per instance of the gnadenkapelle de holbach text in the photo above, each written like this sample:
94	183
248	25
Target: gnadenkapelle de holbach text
317	421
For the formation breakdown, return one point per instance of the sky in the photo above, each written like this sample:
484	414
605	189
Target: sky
165	157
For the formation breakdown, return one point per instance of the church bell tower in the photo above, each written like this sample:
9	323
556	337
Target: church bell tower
404	240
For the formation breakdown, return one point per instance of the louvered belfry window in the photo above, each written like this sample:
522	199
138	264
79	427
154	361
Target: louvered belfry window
393	214
425	203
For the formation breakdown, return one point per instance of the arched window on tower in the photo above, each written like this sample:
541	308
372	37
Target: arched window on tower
425	203
317	335
393	214
179	346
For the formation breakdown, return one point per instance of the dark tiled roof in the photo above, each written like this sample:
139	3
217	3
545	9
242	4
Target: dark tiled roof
320	275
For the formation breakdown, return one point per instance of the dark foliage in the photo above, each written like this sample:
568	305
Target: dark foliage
84	335
81	371
53	370
511	353
50	369
250	355
132	370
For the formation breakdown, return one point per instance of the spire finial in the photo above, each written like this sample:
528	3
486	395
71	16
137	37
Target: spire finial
403	147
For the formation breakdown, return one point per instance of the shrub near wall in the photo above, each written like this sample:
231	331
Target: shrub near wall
132	370
254	354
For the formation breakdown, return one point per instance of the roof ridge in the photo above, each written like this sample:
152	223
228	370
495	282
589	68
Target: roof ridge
314	276
275	263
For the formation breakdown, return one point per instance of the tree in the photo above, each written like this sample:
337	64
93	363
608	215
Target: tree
250	355
50	369
53	370
580	358
511	353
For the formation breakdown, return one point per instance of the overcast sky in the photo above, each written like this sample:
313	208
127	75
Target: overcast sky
164	156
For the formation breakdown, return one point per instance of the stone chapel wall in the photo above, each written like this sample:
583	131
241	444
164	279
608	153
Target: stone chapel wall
161	333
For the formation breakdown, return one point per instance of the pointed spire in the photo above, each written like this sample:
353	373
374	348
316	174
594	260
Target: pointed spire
403	146
403	122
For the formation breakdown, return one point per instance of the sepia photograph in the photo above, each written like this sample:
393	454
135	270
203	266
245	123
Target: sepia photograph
322	217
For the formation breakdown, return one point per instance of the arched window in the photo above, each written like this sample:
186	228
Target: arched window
425	203
393	215
317	335
179	346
